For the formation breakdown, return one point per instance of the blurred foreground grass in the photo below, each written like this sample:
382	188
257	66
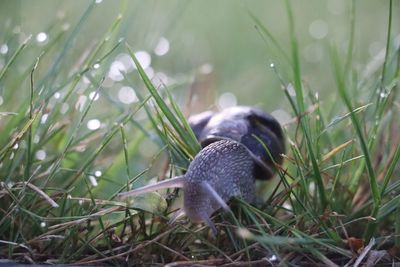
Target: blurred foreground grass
80	121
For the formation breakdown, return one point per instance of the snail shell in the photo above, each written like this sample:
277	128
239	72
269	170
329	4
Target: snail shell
255	129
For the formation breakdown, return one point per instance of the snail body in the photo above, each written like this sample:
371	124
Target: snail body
237	147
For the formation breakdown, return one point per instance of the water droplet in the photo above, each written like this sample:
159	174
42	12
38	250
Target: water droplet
36	139
227	100
206	68
291	90
383	94
272	65
43	224
41	37
57	95
318	29
1	100
80	103
272	258
69	196
98	173
144	59
4	49
127	95
94	95
96	66
162	47
92	180
15	147
93	124
40	155
44	117
12	155
287	206
116	70
80	202
99	1
311	188
64	108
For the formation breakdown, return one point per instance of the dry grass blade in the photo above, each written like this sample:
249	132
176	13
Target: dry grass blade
40	192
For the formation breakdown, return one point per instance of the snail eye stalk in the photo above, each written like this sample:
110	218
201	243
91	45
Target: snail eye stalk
178	181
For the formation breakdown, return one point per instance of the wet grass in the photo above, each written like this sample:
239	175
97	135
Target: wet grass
69	146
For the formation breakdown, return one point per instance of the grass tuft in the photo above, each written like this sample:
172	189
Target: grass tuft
71	143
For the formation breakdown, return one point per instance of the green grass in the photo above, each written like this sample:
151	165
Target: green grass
338	187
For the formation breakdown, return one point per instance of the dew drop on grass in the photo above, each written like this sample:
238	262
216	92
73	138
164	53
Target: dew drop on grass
291	90
4	49
94	95
144	59
36	139
69	196
98	173
127	61
162	47
80	103
15	147
287	206
116	70
99	1
40	155
44	117
272	258
127	95
92	180
272	65
41	37
64	108
12	155
1	100
80	202
57	95
227	100
93	124
383	94
43	224
96	66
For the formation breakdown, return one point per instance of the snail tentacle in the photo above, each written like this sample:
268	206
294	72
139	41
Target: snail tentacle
178	181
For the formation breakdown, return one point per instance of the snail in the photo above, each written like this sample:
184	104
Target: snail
233	155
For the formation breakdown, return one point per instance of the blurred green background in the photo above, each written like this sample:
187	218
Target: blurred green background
218	37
